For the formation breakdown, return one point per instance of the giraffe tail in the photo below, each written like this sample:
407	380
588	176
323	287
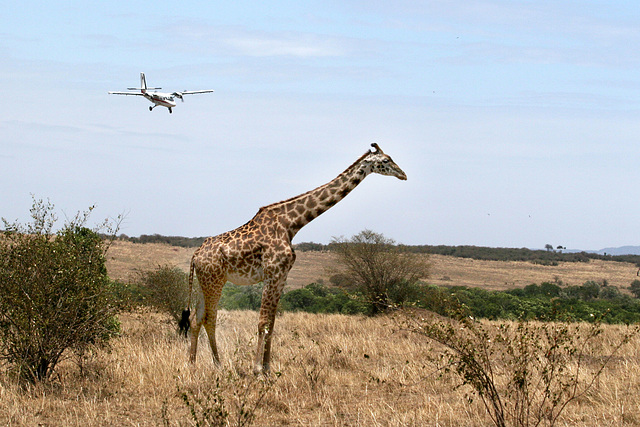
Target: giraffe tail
184	323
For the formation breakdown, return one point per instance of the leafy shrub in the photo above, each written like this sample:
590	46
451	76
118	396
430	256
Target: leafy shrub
237	297
164	289
318	298
54	292
610	292
301	299
548	302
127	296
634	287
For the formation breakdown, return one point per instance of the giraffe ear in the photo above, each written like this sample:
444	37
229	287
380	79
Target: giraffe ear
378	150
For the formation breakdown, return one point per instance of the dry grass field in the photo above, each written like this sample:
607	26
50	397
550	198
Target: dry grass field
334	370
327	370
125	258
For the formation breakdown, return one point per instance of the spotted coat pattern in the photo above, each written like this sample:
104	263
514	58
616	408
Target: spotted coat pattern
261	251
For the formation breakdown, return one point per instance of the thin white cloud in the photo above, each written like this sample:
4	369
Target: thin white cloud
286	45
242	41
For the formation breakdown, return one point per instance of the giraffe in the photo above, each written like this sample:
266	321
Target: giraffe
261	251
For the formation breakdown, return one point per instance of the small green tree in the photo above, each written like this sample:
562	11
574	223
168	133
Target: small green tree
379	269
165	289
634	287
54	292
610	292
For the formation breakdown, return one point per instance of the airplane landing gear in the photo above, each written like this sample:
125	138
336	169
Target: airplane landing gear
154	106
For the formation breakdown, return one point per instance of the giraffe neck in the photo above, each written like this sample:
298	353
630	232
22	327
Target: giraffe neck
296	212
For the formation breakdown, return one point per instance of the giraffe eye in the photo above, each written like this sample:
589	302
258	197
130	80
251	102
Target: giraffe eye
385	161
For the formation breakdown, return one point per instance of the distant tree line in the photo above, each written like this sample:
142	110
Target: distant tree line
184	242
536	256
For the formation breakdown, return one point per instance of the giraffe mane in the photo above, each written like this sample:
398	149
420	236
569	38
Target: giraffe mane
368	152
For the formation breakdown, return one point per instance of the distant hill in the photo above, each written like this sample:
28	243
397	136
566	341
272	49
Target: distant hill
622	250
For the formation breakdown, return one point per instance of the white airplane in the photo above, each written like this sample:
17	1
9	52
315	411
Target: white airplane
158	98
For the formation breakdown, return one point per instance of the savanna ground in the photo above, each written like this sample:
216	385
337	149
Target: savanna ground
326	369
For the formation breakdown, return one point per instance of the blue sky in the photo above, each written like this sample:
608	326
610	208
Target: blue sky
515	121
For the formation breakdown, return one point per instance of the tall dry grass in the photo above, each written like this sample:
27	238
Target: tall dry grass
327	370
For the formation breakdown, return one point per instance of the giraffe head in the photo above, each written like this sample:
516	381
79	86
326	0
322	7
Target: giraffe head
378	162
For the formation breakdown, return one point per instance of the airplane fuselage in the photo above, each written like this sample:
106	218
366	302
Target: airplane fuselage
162	99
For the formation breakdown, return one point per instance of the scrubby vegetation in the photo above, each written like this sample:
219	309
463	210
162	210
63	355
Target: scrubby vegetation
525	373
545	302
55	295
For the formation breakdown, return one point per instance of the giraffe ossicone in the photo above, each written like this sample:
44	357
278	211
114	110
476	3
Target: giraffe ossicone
261	251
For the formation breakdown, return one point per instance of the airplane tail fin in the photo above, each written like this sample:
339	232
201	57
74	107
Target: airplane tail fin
143	83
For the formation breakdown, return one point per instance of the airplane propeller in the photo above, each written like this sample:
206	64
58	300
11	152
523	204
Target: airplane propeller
179	95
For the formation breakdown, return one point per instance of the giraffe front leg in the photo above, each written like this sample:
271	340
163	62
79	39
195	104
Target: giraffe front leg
258	367
266	358
266	324
210	327
262	360
276	265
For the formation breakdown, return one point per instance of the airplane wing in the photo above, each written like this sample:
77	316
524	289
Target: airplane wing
191	92
126	93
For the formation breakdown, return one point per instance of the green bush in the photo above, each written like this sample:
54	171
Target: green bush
127	296
236	297
299	300
318	298
54	292
634	287
610	292
164	289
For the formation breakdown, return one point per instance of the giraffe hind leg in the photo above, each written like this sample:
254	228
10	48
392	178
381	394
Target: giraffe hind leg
210	327
196	324
211	299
